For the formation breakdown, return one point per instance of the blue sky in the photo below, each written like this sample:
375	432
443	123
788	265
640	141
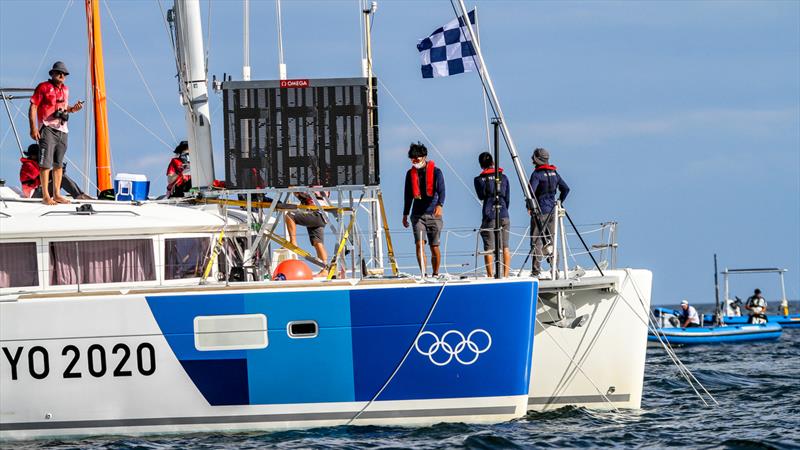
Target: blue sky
680	120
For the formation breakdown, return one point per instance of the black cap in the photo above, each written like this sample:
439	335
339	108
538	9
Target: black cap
181	147
33	151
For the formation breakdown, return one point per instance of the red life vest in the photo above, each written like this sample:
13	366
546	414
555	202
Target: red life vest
545	167
429	171
29	176
490	171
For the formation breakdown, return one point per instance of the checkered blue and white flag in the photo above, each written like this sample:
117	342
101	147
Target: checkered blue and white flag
448	50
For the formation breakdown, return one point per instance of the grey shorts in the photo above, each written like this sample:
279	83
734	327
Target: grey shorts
314	223
52	147
429	226
487	233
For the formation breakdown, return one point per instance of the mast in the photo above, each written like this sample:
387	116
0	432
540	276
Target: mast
194	89
279	25
489	86
102	151
718	314
246	42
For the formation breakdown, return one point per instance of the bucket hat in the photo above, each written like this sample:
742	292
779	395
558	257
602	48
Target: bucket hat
541	156
59	66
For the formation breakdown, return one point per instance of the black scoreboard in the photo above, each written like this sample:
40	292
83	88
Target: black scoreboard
300	133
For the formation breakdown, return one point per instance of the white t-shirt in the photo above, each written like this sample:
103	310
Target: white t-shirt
693	317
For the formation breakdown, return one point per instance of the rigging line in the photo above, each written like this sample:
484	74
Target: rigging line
52	39
138	70
684	371
425	136
208	36
408	352
87	129
85	176
577	366
137	121
44	55
360	21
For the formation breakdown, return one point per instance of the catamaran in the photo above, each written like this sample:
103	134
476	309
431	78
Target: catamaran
138	317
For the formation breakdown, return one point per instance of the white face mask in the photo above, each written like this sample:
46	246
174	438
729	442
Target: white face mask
419	165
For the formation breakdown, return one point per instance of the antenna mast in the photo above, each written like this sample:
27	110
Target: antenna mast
194	89
246	42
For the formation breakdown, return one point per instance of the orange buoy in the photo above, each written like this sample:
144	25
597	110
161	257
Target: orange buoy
292	269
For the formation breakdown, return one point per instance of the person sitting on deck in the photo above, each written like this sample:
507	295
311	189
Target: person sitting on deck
179	178
757	305
688	315
314	221
30	179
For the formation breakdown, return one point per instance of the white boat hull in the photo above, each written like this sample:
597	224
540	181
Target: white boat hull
599	365
136	364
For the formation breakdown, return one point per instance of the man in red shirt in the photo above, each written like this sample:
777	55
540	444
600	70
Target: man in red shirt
48	116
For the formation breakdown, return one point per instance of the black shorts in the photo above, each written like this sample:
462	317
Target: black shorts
313	221
52	147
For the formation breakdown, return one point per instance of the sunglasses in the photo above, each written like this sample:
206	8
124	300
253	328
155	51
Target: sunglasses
57	73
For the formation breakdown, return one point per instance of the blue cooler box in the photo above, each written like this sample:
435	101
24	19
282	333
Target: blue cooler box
130	187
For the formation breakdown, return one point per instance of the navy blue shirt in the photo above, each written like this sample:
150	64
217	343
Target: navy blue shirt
484	187
544	184
424	205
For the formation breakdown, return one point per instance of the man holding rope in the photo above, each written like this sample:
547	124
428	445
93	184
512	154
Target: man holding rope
544	182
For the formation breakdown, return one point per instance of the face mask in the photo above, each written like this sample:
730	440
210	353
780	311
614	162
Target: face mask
419	165
184	157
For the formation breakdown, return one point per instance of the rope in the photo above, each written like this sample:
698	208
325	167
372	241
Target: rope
425	136
408	351
137	121
41	61
577	366
139	71
685	372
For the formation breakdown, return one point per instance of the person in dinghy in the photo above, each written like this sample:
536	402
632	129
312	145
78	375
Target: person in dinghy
688	315
757	306
424	199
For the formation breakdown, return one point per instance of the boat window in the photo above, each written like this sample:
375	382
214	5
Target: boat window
302	329
108	261
185	257
231	256
18	266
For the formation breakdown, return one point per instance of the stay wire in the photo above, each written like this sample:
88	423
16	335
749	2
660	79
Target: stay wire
41	61
408	352
425	136
685	372
139	71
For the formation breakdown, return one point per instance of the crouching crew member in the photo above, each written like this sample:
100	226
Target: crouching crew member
424	198
688	316
179	178
29	177
485	188
314	221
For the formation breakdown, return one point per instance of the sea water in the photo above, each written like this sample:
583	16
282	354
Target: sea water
757	386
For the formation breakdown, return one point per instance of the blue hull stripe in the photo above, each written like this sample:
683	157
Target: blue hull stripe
478	343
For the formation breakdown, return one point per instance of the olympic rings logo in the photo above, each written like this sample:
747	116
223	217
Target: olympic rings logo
441	352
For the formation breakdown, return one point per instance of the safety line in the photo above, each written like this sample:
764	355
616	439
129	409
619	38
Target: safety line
685	372
408	352
425	136
138	70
